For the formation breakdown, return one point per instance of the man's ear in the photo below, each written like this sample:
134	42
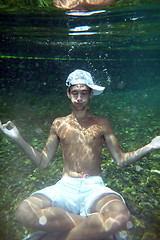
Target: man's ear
68	93
91	94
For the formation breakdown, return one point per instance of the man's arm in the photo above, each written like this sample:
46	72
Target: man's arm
125	159
40	159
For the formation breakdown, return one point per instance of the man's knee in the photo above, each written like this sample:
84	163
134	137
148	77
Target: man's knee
28	210
24	214
116	210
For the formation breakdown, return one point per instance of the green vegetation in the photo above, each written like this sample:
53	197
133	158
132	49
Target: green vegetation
24	3
36	55
135	122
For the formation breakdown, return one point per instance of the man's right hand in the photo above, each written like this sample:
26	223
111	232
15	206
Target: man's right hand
10	130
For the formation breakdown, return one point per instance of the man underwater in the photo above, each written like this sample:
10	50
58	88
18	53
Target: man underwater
79	206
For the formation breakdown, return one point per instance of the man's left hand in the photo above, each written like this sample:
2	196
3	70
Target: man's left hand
155	143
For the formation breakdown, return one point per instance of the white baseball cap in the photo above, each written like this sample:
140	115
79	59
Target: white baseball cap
83	77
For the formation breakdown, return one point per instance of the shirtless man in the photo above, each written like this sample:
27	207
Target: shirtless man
79	206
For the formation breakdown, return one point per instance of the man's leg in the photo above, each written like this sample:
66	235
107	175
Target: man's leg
37	212
110	215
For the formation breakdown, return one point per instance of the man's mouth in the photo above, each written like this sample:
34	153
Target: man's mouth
79	103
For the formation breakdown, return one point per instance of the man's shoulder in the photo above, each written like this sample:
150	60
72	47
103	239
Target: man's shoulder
104	123
60	120
57	123
101	120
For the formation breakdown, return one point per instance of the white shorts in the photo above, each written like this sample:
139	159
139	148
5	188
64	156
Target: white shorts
76	195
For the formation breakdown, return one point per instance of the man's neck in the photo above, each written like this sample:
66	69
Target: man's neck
81	115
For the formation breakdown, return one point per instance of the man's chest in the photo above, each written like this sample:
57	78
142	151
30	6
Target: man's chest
80	133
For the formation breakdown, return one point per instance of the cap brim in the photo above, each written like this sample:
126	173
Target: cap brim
97	90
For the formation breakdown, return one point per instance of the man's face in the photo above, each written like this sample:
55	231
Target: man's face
80	96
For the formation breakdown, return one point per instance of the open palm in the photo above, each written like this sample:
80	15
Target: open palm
156	142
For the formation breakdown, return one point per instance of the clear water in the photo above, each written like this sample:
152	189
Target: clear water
121	49
122	44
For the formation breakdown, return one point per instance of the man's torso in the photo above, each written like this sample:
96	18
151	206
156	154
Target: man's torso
81	143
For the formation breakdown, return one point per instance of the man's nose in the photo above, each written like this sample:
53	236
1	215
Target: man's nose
79	98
